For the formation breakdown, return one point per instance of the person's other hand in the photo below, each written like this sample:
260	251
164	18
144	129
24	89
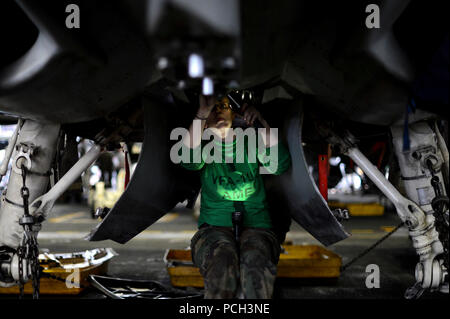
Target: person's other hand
251	114
207	103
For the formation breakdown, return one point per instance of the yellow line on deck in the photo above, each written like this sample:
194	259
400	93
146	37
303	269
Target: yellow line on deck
84	221
387	229
168	217
66	217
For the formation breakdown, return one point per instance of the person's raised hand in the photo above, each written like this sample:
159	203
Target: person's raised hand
206	103
251	114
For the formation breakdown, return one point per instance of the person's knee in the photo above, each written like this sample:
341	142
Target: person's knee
222	258
258	261
259	247
213	251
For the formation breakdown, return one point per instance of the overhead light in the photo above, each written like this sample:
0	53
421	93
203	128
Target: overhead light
207	86
195	66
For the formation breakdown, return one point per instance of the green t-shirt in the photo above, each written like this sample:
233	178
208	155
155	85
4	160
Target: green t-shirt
224	182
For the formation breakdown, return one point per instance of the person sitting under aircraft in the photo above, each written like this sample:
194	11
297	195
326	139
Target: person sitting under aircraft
235	247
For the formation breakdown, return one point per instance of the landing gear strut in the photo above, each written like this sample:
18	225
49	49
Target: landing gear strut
417	212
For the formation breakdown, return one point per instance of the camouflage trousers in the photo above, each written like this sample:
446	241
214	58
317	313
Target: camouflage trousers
229	272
